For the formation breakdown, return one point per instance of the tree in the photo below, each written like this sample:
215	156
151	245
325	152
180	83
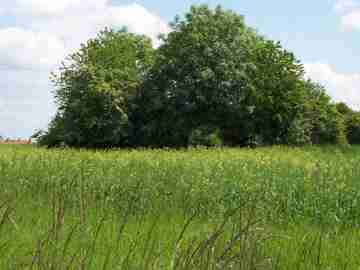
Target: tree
278	97
353	128
94	88
213	72
352	122
317	121
213	81
328	126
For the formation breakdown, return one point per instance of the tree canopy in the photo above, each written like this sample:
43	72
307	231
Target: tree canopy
212	81
93	90
352	122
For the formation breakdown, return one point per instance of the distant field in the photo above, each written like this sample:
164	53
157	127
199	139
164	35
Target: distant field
269	208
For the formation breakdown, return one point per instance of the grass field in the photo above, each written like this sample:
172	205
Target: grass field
270	208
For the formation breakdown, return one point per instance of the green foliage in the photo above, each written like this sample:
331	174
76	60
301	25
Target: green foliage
353	128
205	136
93	90
299	132
55	135
343	108
327	123
352	122
277	96
212	70
198	78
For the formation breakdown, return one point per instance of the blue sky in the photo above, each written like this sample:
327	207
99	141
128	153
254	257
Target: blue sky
38	34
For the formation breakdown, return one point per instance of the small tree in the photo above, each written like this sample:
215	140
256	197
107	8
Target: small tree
353	128
352	122
93	90
326	123
277	94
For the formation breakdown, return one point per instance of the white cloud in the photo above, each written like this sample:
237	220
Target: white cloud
75	21
341	87
26	102
40	8
49	31
78	25
143	23
346	5
349	12
24	49
351	20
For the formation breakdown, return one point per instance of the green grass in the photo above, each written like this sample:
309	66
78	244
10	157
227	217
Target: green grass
269	208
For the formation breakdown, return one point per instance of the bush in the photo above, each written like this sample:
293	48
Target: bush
352	122
327	124
299	132
205	136
353	128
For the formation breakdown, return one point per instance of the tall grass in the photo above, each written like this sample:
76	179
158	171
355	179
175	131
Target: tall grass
270	208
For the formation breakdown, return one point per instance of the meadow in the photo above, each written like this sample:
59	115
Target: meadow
226	208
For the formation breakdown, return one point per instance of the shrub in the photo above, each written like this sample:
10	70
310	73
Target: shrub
205	136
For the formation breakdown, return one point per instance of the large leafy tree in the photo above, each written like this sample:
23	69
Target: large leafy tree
94	88
215	73
199	78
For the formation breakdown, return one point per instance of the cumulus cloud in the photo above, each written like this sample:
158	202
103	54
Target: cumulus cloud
349	11
143	23
26	102
341	87
24	49
47	31
54	26
74	21
346	5
44	8
351	20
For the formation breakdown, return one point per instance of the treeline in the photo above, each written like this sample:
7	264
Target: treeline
213	81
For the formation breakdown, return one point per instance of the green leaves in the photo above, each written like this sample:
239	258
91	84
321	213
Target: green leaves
213	70
211	73
352	122
199	75
94	88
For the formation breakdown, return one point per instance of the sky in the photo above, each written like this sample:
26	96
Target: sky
36	35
